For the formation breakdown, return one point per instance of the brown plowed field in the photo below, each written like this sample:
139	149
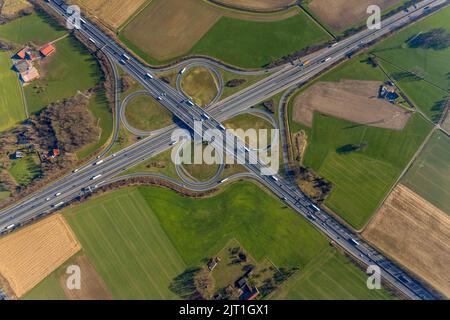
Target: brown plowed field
113	12
350	100
257	5
92	285
342	14
416	234
31	254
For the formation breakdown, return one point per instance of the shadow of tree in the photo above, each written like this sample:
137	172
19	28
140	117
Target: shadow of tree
183	285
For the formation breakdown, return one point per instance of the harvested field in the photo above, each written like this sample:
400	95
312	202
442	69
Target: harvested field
31	254
342	14
350	100
175	26
92	285
416	234
256	5
112	12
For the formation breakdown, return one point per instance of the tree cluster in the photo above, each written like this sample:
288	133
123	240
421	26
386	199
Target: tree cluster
436	39
67	125
233	83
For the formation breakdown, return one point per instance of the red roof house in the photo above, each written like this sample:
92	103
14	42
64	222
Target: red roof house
47	50
22	53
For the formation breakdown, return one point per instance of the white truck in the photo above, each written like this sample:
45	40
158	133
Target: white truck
58	204
96	177
125	56
148	75
98	162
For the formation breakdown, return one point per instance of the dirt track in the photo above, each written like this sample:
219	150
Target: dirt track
30	254
342	14
258	5
415	233
350	100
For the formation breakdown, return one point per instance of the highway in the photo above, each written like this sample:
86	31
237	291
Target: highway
95	174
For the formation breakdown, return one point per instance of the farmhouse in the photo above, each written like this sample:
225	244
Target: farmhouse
22	53
22	66
47	50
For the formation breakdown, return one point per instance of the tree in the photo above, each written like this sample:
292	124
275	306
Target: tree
204	283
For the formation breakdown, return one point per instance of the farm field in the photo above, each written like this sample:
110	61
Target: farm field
37	27
418	71
12	109
54	286
126	245
145	113
351	100
343	14
172	233
29	255
113	12
416	234
362	178
70	62
251	50
329	276
200	228
256	5
200	84
208	30
429	175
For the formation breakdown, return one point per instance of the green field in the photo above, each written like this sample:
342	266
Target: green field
38	28
258	43
399	60
329	276
99	107
122	233
124	241
161	164
25	170
48	289
360	179
429	176
200	84
69	70
145	113
139	239
12	109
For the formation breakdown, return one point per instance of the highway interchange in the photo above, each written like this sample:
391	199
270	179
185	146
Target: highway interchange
69	187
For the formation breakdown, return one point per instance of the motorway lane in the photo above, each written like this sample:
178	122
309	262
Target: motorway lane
174	103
